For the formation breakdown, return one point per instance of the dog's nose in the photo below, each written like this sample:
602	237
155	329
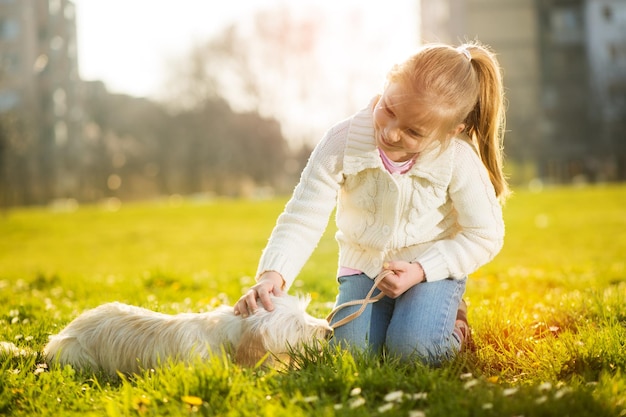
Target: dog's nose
327	332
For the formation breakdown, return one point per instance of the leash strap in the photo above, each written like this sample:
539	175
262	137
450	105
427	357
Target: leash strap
364	302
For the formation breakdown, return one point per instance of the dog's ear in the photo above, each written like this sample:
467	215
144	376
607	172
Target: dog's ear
250	350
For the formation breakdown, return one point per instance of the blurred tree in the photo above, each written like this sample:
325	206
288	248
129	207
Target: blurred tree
124	137
224	150
253	67
264	65
139	149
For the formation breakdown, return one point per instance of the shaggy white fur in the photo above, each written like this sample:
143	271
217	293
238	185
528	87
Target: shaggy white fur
118	337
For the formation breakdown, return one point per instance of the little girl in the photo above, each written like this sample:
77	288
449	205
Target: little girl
416	179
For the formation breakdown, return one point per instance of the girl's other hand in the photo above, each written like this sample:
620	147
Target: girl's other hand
404	275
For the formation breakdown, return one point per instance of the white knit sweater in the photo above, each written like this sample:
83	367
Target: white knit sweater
442	213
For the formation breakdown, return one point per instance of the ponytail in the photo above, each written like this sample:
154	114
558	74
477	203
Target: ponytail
486	122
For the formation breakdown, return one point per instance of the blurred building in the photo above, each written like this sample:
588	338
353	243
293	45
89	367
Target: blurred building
564	65
39	96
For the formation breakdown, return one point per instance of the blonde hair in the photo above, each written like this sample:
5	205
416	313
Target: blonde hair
461	85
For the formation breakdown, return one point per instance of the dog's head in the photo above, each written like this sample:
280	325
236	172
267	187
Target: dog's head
288	328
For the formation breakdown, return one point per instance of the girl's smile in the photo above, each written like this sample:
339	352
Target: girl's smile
397	134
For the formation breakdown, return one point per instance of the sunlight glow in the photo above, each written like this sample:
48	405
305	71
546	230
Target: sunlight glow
128	45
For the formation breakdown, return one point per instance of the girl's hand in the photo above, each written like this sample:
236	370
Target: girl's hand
404	275
270	282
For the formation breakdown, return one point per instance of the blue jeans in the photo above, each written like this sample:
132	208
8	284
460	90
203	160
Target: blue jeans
417	325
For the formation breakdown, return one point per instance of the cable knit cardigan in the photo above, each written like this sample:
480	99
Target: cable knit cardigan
442	213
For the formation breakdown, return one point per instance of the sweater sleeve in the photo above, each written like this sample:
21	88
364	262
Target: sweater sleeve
479	216
305	216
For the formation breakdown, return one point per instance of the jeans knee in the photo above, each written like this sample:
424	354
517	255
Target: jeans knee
429	352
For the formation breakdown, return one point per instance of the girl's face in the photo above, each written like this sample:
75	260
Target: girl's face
397	128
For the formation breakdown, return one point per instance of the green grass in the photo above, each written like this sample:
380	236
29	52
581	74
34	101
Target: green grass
548	314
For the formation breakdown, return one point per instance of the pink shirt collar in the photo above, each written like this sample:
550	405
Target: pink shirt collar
395	167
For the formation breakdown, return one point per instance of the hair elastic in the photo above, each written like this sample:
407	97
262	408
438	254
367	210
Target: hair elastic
465	51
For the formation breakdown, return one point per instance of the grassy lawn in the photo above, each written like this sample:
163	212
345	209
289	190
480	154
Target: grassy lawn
548	314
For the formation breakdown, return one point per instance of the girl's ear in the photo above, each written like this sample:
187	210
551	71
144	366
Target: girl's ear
458	129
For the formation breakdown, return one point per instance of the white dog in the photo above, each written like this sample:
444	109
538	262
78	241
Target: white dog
118	337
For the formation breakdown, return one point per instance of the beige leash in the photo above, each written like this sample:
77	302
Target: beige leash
364	302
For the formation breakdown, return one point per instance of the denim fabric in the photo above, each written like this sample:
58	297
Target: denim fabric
417	325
